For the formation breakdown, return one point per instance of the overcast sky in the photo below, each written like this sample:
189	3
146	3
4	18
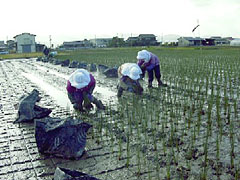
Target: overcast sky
69	20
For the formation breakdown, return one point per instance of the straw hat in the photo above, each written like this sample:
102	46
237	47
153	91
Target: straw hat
80	78
145	55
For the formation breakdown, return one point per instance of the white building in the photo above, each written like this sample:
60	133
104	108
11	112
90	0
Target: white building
100	42
235	42
25	43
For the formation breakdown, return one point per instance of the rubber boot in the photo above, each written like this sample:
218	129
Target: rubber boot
150	84
160	83
98	103
120	91
88	107
78	107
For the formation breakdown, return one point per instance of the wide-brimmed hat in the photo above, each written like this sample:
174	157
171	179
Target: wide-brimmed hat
80	78
145	55
134	73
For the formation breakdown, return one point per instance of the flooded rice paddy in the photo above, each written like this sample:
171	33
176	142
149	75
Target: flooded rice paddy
168	133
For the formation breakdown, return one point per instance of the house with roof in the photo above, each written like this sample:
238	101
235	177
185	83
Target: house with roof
221	41
3	48
190	41
25	43
142	40
148	40
132	41
73	45
11	44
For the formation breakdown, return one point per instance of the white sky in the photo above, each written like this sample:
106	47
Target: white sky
69	20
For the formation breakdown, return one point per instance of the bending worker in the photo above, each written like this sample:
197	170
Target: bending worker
150	62
129	74
80	87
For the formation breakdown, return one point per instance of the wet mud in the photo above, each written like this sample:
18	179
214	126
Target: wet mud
116	149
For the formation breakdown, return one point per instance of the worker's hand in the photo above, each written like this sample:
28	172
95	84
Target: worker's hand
143	68
88	106
86	99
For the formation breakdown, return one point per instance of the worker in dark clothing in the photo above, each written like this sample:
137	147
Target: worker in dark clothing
46	51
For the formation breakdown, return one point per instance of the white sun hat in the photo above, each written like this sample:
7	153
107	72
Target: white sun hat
80	78
145	55
134	73
126	67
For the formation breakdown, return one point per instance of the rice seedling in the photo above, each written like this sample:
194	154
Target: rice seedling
138	161
168	168
232	143
120	148
200	104
217	154
128	150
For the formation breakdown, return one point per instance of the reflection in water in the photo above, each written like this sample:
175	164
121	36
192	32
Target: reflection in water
60	97
50	71
105	93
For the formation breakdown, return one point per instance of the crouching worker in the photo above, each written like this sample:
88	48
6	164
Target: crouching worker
80	87
129	75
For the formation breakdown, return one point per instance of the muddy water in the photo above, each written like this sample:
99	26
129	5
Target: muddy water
103	92
20	158
52	80
60	97
108	136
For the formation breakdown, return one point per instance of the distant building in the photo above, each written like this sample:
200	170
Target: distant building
100	42
235	42
3	48
11	44
142	40
132	41
148	40
219	41
190	41
25	43
208	42
73	45
40	47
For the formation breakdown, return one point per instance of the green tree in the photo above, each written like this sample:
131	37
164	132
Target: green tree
117	42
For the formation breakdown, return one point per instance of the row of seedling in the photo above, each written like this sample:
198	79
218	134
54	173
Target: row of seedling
190	119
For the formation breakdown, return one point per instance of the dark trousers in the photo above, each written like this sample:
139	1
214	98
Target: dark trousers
157	73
